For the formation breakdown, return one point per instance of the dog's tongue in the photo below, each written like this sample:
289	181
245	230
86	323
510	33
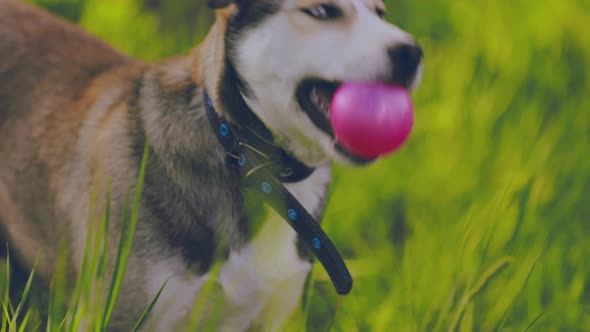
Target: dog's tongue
371	119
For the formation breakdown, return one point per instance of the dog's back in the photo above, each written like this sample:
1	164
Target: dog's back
45	67
41	53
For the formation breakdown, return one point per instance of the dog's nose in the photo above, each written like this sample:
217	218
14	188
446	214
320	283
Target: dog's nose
405	60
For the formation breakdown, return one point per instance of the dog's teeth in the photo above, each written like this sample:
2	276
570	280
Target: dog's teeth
318	100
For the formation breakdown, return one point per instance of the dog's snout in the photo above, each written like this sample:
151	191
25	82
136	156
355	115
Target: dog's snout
405	60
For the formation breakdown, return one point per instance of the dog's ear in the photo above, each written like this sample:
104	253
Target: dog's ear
218	4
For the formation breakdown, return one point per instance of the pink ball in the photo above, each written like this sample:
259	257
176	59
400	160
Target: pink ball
371	119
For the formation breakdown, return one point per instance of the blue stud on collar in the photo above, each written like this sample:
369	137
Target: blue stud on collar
223	130
316	243
266	188
292	214
242	160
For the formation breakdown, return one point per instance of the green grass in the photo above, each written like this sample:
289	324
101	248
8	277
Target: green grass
481	223
88	309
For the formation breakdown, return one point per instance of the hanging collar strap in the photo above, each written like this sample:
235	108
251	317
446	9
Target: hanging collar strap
264	168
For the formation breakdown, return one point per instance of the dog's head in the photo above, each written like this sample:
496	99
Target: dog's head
289	57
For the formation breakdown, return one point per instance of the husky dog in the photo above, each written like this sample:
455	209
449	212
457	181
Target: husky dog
75	115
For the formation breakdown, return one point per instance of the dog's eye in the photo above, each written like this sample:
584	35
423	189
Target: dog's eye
381	13
323	12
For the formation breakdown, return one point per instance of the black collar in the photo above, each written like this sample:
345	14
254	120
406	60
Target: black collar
265	167
285	167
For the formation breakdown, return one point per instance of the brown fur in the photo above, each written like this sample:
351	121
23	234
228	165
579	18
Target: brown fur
44	99
67	130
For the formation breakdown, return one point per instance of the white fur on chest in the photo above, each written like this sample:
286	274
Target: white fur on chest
261	282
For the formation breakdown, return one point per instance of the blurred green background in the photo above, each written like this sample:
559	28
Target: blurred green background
482	221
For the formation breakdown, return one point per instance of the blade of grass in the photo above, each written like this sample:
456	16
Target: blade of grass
117	274
202	299
6	300
6	318
149	308
520	291
59	291
49	327
93	288
103	233
215	317
534	321
483	281
25	322
37	327
61	325
98	263
125	243
467	319
23	299
83	278
124	226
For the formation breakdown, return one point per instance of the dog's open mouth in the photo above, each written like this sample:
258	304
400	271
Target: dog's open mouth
315	97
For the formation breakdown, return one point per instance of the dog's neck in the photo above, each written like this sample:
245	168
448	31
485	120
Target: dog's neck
187	133
213	70
187	155
256	166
